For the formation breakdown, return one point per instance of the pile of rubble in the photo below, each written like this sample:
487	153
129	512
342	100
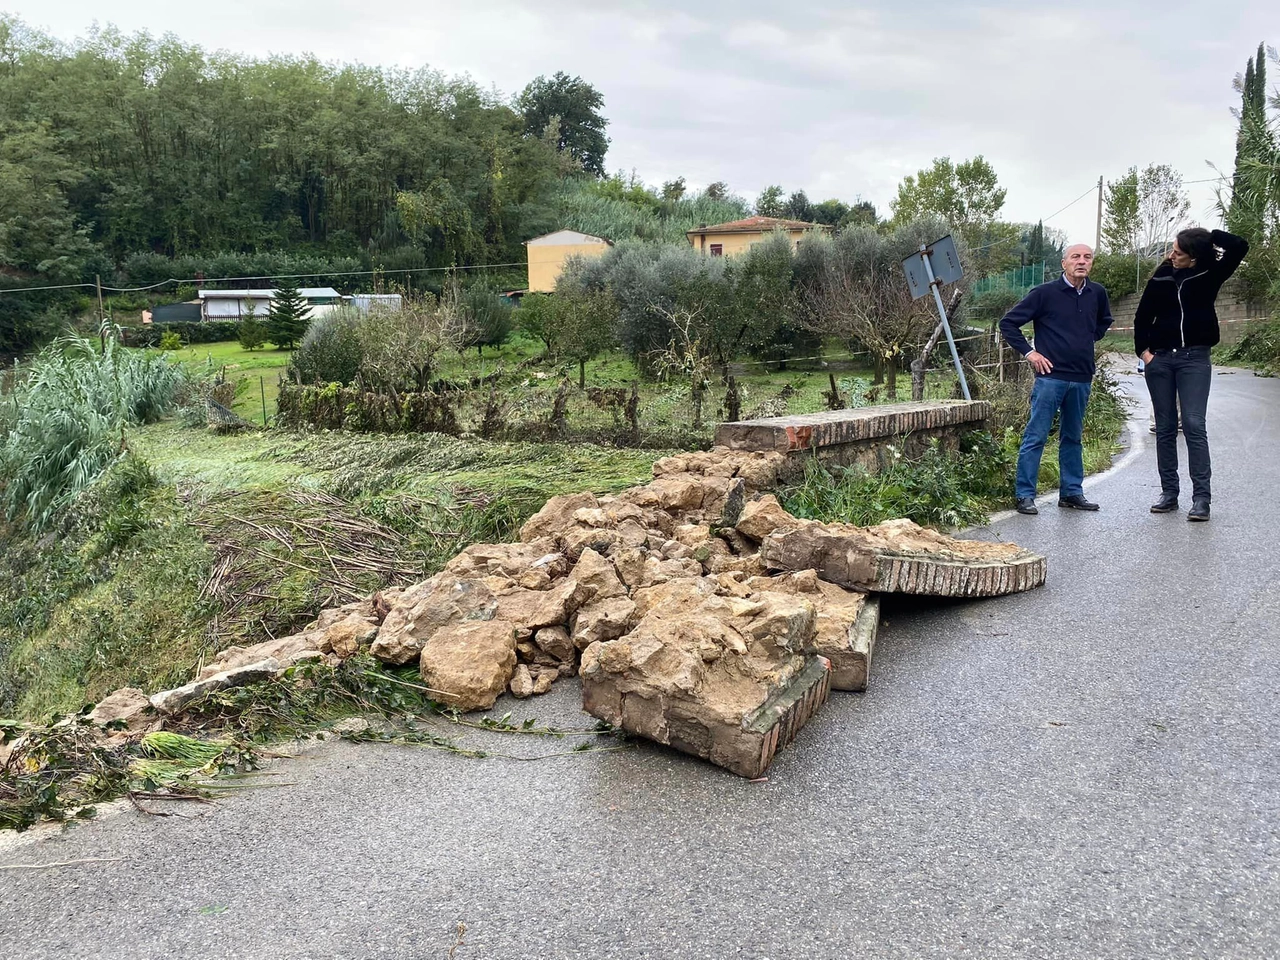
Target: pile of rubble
695	609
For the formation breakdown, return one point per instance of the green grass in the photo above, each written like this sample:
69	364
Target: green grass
256	373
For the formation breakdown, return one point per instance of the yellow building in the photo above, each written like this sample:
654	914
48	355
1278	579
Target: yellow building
548	253
737	236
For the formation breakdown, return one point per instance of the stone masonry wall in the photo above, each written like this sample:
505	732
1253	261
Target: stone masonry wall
1235	314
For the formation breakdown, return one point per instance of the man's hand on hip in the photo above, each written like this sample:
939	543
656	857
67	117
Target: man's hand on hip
1040	362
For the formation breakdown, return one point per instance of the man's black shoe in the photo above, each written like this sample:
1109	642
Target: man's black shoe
1077	503
1167	503
1199	510
1027	505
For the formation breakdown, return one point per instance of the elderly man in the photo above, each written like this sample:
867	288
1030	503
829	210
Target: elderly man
1068	315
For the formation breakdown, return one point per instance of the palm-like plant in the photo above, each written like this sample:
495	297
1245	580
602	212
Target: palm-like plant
64	423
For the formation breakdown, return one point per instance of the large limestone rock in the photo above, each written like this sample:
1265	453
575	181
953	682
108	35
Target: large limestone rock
531	610
598	575
721	677
285	651
765	516
899	556
128	706
846	627
514	561
170	702
468	665
603	620
421	610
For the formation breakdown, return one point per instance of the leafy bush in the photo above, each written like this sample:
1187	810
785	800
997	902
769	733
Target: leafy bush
940	489
331	350
1259	347
481	317
169	340
208	331
987	308
1122	273
65	422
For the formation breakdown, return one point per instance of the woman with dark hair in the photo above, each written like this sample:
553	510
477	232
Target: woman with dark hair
1175	326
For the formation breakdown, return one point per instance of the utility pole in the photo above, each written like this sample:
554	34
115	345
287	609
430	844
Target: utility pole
1098	239
102	314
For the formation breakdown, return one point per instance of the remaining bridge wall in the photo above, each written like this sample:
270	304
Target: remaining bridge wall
869	437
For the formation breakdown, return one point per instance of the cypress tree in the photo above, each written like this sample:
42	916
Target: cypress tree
288	316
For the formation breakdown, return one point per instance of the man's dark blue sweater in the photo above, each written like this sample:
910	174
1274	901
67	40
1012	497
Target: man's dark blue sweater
1067	323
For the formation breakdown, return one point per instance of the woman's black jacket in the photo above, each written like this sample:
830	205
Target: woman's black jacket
1176	309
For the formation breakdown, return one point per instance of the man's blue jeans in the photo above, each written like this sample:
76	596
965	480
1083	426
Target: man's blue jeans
1048	397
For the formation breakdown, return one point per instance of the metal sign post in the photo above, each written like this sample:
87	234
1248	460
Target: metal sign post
949	271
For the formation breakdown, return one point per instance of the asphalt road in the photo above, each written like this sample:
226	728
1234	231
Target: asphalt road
1090	770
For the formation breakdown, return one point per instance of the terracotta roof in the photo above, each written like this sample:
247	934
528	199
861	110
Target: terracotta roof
756	225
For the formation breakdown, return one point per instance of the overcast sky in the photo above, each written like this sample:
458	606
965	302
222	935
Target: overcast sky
841	100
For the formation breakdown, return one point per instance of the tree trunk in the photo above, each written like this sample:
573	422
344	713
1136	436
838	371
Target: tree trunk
891	368
878	366
697	406
633	412
733	402
582	374
559	420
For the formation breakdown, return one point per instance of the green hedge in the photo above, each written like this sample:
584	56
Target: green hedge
209	331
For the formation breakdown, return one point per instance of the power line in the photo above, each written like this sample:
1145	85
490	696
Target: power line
1092	188
274	276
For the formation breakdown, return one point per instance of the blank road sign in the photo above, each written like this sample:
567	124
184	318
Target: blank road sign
944	260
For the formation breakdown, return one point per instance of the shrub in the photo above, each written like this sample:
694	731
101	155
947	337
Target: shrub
1122	273
1259	347
940	489
169	340
208	331
331	350
481	317
252	333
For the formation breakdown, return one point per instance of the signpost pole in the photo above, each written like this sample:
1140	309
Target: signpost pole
946	326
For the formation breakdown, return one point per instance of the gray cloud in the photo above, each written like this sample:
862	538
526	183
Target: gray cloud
838	100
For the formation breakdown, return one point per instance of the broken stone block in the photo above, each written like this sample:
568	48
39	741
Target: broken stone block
577	540
556	642
846	626
597	574
721	678
130	705
174	701
530	610
602	620
762	517
899	556
345	637
282	649
556	516
543	681
426	607
630	566
521	682
735	501
468	665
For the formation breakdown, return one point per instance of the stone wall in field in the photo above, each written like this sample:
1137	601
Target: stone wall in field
1235	313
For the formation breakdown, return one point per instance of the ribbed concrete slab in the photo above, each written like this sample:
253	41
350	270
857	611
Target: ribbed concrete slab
900	557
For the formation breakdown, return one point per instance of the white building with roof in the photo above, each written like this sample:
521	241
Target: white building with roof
238	304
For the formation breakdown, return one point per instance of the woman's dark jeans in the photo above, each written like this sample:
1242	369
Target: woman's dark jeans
1181	377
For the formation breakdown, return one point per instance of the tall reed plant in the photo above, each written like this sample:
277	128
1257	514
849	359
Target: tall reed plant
64	423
